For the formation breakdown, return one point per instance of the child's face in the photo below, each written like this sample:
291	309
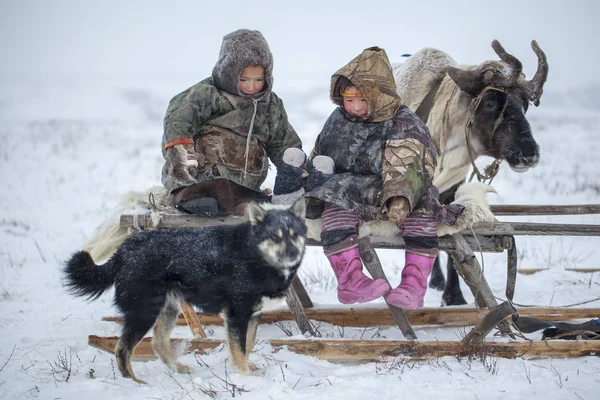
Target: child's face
354	102
252	80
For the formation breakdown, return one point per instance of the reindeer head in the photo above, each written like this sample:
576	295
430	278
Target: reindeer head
500	99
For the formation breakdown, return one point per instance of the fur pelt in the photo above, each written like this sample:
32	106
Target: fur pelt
109	235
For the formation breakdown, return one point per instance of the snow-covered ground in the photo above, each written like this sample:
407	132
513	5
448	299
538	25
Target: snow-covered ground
71	151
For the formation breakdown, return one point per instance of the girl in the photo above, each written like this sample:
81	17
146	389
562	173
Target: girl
375	159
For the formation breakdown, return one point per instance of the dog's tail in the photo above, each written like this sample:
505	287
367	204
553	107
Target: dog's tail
84	278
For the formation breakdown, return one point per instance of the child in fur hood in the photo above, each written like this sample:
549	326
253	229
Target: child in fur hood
375	159
220	133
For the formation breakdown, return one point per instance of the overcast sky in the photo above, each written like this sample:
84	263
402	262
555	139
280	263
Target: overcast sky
309	39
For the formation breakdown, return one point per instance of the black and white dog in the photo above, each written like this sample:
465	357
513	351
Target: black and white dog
236	271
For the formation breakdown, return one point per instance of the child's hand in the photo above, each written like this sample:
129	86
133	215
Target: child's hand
180	167
399	208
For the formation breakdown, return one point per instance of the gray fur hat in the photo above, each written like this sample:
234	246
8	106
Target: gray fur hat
240	49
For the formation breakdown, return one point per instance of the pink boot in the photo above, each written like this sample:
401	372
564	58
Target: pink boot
409	295
353	285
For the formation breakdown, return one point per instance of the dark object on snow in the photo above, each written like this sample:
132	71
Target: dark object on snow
589	330
204	206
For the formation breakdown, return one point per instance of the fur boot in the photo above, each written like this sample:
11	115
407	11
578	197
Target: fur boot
353	285
411	291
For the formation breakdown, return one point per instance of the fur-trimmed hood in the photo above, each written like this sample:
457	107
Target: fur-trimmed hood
240	49
371	73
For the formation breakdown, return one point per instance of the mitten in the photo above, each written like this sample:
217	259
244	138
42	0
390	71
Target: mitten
398	209
288	183
182	164
319	171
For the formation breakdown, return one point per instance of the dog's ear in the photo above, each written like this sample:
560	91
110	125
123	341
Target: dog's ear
299	208
256	213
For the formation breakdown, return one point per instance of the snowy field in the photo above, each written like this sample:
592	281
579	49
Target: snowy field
70	152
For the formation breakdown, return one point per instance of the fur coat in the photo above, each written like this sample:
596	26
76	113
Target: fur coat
218	123
386	154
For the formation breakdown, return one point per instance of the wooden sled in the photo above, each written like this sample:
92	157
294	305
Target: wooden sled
487	237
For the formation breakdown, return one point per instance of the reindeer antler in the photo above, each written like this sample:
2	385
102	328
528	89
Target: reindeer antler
534	87
512	61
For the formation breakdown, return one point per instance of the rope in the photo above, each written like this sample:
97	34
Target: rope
152	201
490	171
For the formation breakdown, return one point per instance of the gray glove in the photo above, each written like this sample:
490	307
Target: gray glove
182	170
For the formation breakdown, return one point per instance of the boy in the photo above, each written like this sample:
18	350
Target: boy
220	133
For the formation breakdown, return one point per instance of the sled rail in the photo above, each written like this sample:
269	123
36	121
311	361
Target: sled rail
380	316
376	350
514	209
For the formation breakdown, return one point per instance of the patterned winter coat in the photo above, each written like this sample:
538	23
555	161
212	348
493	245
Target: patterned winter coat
386	154
233	135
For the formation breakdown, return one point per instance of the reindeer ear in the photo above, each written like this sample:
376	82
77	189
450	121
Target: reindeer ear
256	213
299	208
467	80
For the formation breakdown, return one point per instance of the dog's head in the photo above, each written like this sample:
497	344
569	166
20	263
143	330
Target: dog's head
280	233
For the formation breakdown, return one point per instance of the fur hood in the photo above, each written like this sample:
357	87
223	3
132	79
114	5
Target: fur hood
240	49
371	73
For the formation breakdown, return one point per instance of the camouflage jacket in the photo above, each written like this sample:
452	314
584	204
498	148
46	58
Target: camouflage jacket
217	122
388	153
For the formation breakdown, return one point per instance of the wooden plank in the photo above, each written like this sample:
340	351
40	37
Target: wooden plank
511	266
380	316
584	270
531	271
297	311
376	350
301	293
525	210
489	322
192	320
469	269
533	229
373	265
484	229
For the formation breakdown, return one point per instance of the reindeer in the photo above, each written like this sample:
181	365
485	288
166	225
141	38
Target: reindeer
472	111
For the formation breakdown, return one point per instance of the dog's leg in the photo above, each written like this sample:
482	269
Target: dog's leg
134	329
162	334
236	328
251	337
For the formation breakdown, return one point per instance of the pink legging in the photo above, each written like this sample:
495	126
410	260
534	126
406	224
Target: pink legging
418	230
336	218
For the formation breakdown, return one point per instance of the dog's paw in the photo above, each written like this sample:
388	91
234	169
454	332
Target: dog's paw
183	369
254	370
141	382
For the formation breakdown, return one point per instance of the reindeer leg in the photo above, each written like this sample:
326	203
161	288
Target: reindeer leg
437	280
452	295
